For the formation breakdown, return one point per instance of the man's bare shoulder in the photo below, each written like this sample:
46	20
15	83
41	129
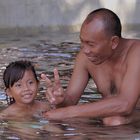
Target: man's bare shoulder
134	43
81	55
134	47
82	62
134	51
81	58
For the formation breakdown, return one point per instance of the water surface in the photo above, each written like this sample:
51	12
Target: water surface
47	52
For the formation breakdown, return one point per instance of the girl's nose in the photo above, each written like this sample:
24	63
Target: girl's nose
25	87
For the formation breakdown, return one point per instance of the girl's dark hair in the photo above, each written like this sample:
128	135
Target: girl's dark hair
14	72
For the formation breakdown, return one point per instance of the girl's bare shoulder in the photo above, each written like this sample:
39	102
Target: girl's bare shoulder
8	111
42	105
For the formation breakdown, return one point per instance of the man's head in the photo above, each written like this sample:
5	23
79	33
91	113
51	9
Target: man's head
100	34
111	22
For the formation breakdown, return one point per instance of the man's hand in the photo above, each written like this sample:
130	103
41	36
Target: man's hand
55	92
56	114
61	113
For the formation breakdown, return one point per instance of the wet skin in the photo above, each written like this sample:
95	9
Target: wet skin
113	63
24	92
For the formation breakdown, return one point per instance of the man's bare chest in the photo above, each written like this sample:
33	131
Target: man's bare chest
108	81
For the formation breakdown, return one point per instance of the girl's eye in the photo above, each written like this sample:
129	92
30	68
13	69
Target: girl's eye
31	82
18	85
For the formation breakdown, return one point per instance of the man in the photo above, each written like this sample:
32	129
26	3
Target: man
112	62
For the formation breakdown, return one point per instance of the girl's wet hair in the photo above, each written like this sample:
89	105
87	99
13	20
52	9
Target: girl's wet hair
14	72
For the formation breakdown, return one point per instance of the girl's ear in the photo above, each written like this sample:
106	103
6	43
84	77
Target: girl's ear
8	92
115	42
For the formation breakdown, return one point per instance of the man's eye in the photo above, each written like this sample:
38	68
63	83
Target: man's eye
91	45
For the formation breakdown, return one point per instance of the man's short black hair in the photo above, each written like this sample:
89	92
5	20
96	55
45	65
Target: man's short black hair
111	21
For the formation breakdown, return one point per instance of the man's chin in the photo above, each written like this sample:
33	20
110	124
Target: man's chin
96	62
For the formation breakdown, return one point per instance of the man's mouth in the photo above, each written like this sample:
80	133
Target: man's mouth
91	58
95	60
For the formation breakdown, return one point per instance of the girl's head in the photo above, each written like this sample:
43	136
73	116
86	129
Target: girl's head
15	72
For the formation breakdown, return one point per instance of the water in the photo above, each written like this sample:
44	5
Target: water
47	52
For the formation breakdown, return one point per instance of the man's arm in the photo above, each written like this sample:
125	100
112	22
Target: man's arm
78	81
121	104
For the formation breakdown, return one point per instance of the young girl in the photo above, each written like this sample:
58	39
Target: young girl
21	84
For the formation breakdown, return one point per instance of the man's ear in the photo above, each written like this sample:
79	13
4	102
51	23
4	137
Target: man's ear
115	42
8	92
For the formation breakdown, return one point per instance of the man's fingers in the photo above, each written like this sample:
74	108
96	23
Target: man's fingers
50	97
54	90
49	93
56	76
47	80
58	90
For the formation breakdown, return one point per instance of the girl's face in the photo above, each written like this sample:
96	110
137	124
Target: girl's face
24	90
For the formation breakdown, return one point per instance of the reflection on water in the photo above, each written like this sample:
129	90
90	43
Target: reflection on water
77	129
46	54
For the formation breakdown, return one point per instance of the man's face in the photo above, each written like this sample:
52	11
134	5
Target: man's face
94	42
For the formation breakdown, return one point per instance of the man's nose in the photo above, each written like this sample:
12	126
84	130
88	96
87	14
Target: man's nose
86	49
